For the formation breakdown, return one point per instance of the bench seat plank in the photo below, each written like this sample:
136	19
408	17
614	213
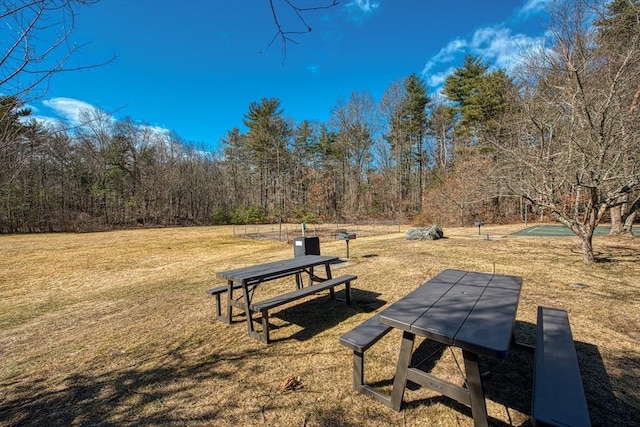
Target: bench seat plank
222	289
301	293
264	306
558	392
365	334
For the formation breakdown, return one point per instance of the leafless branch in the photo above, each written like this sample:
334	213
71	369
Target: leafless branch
37	39
286	35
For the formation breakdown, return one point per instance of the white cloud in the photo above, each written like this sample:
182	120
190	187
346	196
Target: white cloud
69	112
498	45
366	6
501	47
437	80
157	130
359	10
68	109
531	7
446	54
47	122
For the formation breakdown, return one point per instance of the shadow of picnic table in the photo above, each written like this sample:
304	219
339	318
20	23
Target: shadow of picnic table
510	382
320	314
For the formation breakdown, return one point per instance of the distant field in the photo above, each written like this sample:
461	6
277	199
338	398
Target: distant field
116	329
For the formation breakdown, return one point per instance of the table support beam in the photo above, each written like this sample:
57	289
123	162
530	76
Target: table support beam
453	391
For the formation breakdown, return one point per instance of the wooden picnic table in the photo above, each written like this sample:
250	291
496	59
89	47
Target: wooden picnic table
246	279
472	311
476	313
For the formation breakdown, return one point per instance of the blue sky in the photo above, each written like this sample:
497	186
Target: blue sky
194	66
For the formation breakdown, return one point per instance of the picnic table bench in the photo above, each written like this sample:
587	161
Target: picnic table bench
217	293
558	393
359	339
472	311
265	305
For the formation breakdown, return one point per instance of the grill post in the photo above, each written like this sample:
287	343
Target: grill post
343	235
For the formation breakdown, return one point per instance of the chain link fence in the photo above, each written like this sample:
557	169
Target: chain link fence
288	232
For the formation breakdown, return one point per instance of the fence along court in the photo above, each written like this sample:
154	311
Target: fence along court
287	232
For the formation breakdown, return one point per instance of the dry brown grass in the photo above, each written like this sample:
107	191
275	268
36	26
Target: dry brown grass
116	329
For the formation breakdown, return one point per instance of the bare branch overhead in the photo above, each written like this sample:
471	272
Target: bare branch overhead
284	33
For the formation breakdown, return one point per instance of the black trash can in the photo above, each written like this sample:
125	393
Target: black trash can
306	246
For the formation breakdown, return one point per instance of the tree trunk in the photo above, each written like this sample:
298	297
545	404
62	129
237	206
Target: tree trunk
627	228
616	220
585	233
623	217
587	249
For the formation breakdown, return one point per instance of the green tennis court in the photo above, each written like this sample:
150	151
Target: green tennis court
561	230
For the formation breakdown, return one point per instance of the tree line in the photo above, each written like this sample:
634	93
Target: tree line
555	138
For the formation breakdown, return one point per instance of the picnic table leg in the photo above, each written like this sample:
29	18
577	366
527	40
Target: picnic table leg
327	269
474	384
311	276
227	319
400	380
263	336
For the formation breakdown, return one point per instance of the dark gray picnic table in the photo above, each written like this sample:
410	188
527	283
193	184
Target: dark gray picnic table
472	311
246	279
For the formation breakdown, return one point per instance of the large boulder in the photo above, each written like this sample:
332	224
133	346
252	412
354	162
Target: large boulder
424	233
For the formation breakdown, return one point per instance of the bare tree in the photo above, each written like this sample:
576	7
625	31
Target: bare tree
572	151
36	44
618	30
356	123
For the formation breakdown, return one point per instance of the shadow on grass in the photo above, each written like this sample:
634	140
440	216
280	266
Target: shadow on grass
132	396
333	416
510	382
425	356
618	253
606	405
322	313
139	396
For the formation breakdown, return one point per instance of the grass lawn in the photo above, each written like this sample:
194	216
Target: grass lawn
116	329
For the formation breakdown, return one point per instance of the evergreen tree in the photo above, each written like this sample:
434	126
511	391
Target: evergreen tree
415	119
268	139
406	134
479	98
